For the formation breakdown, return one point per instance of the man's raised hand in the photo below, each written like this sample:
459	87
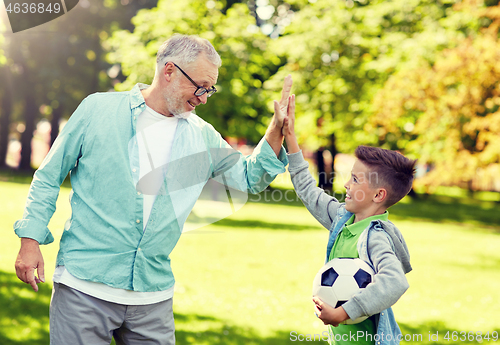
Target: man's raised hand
281	107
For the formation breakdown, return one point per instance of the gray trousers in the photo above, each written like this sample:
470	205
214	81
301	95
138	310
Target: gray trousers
80	319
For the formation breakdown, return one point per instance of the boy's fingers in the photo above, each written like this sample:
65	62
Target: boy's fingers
291	106
284	130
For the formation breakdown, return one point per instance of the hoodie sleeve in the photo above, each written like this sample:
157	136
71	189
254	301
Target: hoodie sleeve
389	282
321	205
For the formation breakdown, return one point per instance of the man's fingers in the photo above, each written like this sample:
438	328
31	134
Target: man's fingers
30	278
279	115
287	87
28	260
277	110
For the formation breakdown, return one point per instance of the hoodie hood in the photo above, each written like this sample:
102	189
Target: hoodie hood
400	247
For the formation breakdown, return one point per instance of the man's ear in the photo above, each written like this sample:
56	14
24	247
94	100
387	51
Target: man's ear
168	69
381	195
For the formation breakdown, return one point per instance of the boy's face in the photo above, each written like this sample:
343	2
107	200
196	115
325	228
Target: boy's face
359	194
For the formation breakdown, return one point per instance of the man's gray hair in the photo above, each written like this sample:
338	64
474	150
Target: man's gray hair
184	49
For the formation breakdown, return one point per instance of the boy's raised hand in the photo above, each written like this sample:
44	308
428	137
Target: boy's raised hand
289	127
329	315
274	133
289	122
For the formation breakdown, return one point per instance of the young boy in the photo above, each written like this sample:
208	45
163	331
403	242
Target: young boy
360	228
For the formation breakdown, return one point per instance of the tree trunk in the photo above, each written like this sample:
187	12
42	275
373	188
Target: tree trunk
5	117
412	193
30	112
54	124
333	150
320	163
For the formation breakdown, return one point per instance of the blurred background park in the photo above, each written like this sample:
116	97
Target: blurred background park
418	76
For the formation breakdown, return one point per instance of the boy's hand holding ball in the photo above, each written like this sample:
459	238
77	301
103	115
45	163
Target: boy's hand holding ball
329	315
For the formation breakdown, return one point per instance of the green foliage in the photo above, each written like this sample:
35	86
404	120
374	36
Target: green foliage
341	53
238	109
446	114
52	67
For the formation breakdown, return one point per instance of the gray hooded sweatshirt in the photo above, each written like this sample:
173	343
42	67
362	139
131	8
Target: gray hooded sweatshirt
381	244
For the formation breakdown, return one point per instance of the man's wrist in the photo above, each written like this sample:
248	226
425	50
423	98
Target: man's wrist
28	241
274	134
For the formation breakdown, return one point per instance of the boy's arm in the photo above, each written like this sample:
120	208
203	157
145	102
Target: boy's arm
321	205
389	282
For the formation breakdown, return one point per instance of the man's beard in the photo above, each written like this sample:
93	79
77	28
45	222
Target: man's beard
175	103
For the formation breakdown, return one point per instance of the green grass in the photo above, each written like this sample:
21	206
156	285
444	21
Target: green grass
247	279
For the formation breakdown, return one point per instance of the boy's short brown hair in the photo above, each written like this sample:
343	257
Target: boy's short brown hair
393	171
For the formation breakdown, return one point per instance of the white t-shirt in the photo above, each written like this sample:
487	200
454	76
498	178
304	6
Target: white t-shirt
155	136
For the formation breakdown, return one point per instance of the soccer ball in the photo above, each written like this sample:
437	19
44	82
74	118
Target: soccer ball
339	280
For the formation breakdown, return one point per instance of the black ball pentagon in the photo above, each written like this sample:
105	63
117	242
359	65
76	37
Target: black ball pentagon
339	303
328	277
363	278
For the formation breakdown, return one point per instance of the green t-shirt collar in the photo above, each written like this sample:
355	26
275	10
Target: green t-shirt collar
358	227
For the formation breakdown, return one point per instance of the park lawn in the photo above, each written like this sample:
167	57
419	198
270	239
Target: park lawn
247	279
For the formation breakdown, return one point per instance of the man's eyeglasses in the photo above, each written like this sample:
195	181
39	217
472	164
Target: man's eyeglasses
200	90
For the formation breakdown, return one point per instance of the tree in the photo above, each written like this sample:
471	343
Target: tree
447	114
55	65
5	104
239	108
341	53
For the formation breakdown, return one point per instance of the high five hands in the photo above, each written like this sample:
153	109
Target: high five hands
274	133
281	107
284	115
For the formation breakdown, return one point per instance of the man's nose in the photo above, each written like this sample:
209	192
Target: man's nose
203	98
